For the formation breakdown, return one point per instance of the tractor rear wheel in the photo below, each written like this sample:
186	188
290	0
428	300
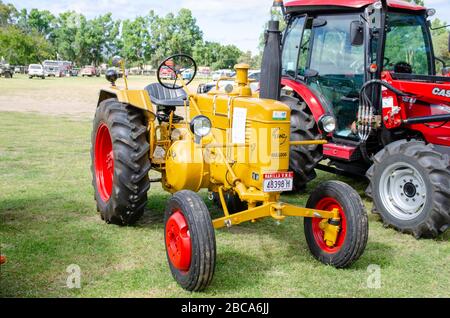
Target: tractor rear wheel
354	227
303	159
120	162
410	188
190	241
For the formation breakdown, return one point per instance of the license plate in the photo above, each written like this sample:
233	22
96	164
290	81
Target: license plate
278	181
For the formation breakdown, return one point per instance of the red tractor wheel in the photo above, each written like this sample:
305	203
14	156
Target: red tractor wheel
190	241
120	162
104	162
328	204
352	237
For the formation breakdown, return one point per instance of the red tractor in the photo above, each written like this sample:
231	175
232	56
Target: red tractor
362	74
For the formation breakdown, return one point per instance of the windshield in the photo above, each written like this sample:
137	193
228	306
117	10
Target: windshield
35	67
407	46
340	67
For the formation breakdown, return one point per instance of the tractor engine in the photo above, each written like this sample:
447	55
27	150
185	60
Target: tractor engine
252	134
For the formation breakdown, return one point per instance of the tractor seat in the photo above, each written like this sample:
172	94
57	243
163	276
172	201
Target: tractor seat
162	96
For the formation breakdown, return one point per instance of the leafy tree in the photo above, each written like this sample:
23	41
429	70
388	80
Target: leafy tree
18	47
41	21
228	57
7	14
440	36
136	41
68	39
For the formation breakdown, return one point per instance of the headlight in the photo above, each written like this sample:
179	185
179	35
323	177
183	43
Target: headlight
201	126
327	123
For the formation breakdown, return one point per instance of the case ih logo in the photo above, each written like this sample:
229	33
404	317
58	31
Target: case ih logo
441	92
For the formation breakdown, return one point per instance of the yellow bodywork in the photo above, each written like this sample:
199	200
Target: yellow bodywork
250	137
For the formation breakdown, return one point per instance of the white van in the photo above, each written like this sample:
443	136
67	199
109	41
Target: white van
36	70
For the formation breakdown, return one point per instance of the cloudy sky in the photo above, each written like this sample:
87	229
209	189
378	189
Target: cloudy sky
237	22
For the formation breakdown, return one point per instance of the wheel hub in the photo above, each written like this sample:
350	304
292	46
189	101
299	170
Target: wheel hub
104	162
403	191
410	190
329	204
178	241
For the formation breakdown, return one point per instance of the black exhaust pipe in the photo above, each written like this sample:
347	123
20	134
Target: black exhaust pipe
270	82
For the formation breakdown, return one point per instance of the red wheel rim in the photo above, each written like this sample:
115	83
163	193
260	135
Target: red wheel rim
328	204
178	241
104	162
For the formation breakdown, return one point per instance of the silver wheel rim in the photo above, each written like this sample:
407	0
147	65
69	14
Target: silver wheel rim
403	191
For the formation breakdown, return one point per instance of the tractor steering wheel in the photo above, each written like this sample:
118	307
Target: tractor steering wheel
174	67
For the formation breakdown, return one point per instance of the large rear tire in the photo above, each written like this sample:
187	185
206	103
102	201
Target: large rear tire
190	241
410	188
354	226
303	159
120	162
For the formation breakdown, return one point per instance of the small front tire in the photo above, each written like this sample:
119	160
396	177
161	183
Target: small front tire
190	241
352	237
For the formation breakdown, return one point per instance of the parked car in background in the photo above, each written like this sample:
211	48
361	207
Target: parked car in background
253	76
6	70
187	74
51	68
89	71
74	71
216	75
36	70
167	73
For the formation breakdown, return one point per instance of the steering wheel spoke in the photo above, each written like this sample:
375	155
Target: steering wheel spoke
174	66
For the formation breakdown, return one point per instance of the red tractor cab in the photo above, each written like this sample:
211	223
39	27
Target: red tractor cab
362	73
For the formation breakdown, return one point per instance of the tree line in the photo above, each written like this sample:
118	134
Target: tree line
33	36
36	35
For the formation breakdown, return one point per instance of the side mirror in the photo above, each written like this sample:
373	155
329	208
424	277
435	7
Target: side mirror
319	22
117	61
310	73
357	33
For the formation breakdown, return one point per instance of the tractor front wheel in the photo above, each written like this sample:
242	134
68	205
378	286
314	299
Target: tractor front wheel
410	188
352	236
190	241
120	162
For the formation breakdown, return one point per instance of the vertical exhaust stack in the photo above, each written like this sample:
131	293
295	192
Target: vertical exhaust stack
270	82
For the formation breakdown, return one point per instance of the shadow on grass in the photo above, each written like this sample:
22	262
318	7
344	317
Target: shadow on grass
237	270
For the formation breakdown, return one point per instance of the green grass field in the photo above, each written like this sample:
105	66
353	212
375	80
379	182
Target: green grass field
48	221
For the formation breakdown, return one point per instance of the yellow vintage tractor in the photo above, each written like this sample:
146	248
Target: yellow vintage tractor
227	141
